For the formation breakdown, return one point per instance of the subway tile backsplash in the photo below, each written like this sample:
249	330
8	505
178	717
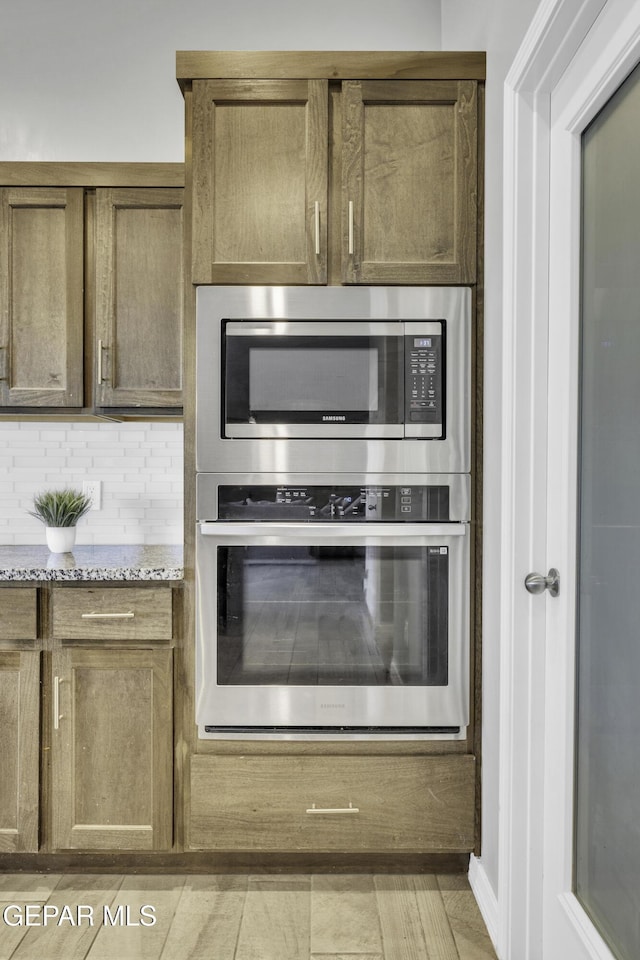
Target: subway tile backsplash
140	465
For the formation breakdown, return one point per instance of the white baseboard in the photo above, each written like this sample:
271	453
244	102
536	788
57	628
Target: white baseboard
485	896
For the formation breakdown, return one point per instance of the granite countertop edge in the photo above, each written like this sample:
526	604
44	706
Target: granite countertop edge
130	562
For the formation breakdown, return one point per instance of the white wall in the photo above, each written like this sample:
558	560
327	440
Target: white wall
95	80
497	26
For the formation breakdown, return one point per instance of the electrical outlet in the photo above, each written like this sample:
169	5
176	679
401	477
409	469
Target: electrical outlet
93	489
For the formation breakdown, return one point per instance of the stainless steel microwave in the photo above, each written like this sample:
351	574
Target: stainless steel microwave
339	378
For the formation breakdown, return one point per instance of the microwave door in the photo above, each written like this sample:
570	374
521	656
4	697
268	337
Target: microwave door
313	379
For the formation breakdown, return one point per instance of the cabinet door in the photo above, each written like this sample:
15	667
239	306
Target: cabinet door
41	297
260	181
20	726
139	298
111	751
409	181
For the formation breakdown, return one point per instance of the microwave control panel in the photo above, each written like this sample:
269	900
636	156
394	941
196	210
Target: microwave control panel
424	363
359	504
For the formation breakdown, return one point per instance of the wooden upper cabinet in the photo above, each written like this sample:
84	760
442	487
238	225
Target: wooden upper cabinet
260	171
138	297
400	205
41	297
409	181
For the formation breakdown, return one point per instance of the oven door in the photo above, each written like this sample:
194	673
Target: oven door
313	379
329	631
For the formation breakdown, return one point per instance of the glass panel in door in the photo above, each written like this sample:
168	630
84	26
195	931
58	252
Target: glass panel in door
607	803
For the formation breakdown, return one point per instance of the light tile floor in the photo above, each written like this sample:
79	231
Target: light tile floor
232	917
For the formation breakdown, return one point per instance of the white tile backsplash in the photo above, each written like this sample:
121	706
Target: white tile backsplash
140	466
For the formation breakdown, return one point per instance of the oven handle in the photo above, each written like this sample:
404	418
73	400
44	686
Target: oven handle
302	531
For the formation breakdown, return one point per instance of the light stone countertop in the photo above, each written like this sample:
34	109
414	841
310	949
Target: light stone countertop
98	562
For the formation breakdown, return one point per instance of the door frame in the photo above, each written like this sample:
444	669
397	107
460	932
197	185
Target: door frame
541	203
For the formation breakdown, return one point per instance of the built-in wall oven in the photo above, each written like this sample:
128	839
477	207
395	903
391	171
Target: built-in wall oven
344	379
332	606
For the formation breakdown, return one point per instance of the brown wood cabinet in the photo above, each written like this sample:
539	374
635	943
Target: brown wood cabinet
111	751
393	199
330	167
112	718
260	181
19	756
41	297
138	274
19	719
125	613
86	713
18	613
90	287
409	184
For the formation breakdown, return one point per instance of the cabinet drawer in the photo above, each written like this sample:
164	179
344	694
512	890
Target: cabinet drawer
119	613
333	803
18	613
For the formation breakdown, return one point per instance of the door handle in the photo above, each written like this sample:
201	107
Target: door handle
537	583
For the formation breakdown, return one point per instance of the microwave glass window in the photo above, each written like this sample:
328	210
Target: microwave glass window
298	378
333	615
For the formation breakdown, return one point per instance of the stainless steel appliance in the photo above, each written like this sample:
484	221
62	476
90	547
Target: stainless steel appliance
345	379
332	607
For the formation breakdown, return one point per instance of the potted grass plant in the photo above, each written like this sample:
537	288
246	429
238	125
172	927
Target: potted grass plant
60	511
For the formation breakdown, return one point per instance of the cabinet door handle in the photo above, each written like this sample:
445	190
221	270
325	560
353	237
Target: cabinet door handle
316	223
56	703
100	349
129	615
350	227
333	810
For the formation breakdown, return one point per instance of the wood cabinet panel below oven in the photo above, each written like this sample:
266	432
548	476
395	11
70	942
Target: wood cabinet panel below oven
417	804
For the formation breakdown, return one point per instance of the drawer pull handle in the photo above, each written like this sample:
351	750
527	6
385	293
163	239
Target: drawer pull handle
56	703
101	347
108	616
350	228
349	809
316	223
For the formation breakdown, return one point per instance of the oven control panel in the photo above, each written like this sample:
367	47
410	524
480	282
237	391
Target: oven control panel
360	504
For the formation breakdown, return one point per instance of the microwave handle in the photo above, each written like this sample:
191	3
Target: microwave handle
302	531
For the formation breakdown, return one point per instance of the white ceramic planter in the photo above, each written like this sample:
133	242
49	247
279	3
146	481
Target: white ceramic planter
61	539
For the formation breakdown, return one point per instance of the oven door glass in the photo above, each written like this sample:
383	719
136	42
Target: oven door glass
324	628
333	615
306	379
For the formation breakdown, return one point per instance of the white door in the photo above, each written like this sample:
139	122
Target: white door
591	861
548	906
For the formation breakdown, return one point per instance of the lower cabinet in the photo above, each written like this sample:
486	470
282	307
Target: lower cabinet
19	753
333	804
112	749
